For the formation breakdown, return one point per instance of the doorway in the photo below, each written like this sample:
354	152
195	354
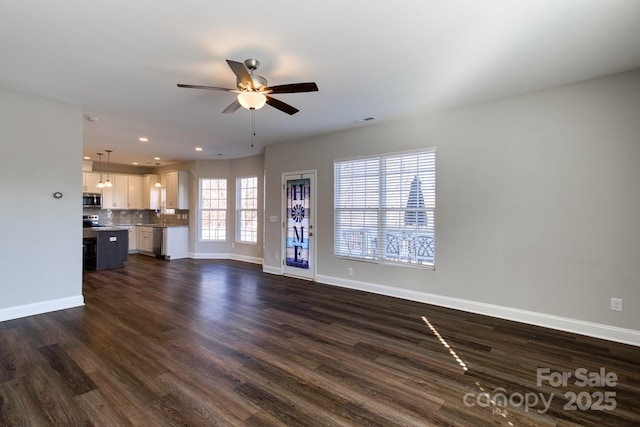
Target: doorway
298	211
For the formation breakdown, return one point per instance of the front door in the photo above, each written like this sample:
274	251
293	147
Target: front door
298	253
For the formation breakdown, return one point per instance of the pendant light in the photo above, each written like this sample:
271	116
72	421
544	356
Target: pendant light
107	182
100	184
158	184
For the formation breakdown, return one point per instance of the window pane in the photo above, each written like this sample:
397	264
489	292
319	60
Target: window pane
213	205
249	226
247	210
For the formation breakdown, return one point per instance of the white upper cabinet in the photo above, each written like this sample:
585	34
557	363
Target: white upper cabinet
116	196
90	181
176	185
140	191
151	193
134	200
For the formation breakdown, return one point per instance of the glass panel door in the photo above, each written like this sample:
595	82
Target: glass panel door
298	226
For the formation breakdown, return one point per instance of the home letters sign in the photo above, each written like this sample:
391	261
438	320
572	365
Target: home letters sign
298	210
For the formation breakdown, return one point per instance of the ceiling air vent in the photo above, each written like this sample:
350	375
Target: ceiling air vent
366	119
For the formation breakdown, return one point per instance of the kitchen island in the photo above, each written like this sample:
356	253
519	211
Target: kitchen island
105	247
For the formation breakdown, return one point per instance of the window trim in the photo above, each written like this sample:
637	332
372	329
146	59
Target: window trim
240	210
201	209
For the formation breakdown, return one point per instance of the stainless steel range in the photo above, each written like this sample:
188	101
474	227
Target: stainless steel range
90	221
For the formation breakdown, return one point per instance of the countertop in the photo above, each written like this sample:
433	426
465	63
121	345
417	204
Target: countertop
92	232
155	225
107	228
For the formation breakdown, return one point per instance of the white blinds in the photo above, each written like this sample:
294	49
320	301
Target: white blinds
384	208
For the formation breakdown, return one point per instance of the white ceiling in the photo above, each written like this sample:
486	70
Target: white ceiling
120	62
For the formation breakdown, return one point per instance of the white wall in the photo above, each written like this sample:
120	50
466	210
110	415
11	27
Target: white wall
41	251
537	206
230	170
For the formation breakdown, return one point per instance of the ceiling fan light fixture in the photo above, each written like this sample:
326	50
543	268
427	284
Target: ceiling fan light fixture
252	100
253	91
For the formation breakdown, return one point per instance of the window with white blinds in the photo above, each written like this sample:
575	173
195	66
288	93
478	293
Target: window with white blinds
384	208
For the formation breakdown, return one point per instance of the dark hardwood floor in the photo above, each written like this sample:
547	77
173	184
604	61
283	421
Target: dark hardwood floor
219	343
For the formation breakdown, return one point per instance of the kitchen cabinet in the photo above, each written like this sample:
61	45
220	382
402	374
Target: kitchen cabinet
176	184
145	240
175	242
89	182
116	196
134	194
133	239
150	193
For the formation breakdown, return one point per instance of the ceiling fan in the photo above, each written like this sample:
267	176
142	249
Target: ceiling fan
253	92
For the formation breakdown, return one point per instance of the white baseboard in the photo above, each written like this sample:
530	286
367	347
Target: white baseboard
596	330
40	307
209	255
271	269
245	258
236	257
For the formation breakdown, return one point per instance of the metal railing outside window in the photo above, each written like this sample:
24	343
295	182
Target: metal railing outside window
384	208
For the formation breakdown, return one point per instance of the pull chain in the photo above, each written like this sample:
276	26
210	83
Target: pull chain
253	125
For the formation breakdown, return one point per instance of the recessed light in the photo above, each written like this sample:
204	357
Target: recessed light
135	163
156	158
87	158
198	148
143	139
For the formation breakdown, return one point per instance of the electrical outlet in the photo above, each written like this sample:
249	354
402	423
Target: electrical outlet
350	271
616	304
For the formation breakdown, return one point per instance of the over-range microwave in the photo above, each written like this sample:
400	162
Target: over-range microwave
91	200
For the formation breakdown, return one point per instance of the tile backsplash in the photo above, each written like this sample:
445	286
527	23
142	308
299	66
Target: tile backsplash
115	217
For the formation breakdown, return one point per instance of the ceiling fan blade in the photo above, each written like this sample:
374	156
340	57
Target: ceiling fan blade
294	88
232	107
241	72
284	107
205	87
